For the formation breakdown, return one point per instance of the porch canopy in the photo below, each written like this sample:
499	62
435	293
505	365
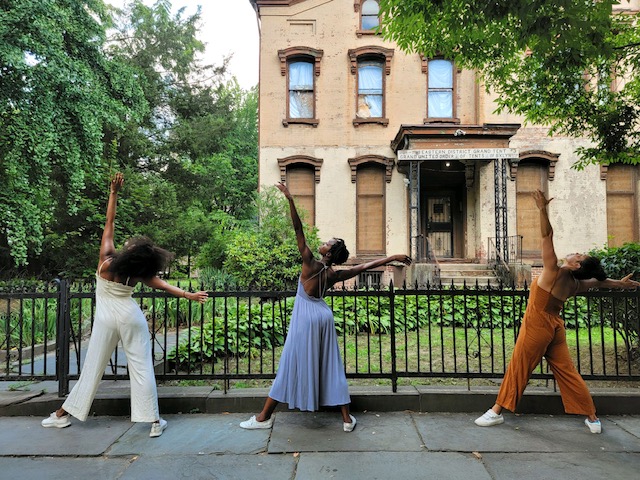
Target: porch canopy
468	144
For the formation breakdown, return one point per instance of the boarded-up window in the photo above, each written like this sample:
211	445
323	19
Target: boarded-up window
301	183
622	217
531	177
370	206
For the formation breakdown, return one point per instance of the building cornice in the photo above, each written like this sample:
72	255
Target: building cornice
257	4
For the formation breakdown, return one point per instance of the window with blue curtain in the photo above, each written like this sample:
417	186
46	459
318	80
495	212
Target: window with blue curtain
440	89
301	98
370	11
370	89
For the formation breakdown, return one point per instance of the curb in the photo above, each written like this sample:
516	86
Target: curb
173	400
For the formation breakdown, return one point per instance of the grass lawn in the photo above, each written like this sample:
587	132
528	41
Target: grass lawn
439	352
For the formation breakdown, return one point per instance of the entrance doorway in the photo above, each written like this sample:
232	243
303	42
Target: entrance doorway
442	204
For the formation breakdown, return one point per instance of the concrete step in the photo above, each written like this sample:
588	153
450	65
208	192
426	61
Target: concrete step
469	281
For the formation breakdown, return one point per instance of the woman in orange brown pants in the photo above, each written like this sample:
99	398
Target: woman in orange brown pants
542	333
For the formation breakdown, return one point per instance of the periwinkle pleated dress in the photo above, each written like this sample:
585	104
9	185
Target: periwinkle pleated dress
311	373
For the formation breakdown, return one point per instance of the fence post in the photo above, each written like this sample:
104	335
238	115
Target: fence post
392	322
63	327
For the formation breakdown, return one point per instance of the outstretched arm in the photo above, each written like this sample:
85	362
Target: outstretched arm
345	274
304	249
159	284
624	283
107	248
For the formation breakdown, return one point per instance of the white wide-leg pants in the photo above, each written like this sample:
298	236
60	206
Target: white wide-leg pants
117	319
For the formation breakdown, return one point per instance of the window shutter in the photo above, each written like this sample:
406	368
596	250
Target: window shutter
621	209
530	178
301	183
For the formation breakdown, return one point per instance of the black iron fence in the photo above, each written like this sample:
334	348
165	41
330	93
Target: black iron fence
387	333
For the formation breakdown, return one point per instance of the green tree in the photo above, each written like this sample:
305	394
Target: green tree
59	91
551	61
266	254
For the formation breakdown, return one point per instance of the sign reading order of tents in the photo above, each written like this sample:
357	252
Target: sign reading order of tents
458	154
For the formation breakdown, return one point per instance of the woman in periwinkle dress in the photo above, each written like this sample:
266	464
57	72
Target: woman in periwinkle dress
311	373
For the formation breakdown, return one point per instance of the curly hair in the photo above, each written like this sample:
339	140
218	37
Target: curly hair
590	267
139	257
339	252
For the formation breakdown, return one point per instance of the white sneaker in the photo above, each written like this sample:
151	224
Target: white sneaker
348	427
595	427
489	418
54	421
158	428
253	424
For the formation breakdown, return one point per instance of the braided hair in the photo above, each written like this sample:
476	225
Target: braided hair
339	252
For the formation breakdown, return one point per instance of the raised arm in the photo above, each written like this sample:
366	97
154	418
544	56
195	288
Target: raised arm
107	248
159	284
305	251
624	283
348	273
549	257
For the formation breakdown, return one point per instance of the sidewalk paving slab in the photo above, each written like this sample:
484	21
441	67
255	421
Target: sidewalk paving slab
390	465
523	433
194	434
47	468
25	436
323	432
209	467
555	466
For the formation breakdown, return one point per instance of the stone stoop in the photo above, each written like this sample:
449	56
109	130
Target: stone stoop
460	273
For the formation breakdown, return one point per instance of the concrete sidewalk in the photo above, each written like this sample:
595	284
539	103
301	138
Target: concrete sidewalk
398	436
384	445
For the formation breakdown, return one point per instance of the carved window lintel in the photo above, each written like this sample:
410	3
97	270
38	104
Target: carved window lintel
373	51
424	63
313	162
307	52
536	155
386	162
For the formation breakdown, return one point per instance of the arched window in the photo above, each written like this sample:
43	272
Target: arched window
370	65
300	66
369	15
440	89
301	92
370	89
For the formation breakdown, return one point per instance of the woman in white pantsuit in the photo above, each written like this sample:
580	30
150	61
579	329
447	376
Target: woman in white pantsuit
119	318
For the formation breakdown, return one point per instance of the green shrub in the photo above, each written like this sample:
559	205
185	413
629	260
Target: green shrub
619	262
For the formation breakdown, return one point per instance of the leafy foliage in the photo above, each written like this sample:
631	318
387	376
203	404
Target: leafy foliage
617	263
59	91
554	62
266	253
620	261
89	90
